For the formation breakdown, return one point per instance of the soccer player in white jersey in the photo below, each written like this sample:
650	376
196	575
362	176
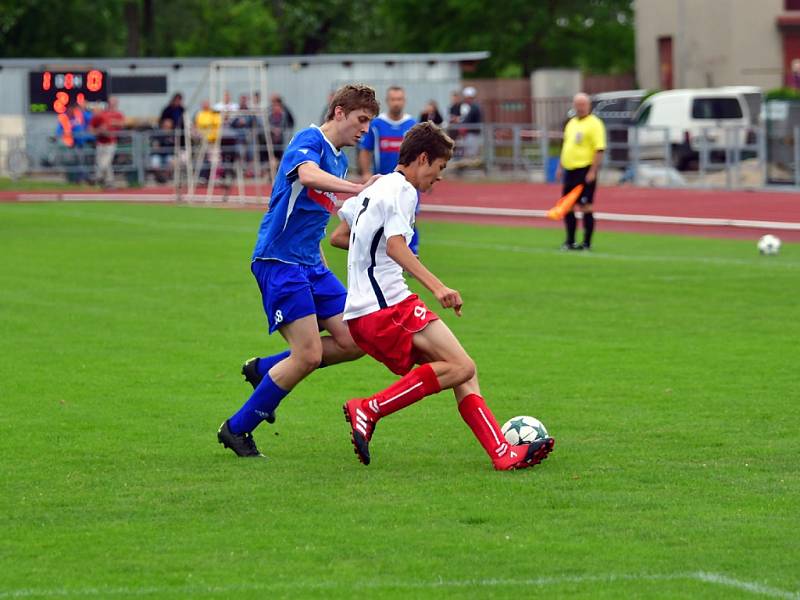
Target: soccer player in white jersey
393	325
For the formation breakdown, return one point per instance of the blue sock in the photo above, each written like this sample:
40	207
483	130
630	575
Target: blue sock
265	364
265	399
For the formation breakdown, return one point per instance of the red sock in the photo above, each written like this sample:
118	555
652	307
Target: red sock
481	421
414	385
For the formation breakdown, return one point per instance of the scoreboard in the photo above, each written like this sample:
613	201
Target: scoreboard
54	91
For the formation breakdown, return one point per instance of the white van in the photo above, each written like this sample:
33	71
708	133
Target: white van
691	115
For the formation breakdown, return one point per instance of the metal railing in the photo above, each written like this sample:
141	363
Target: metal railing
729	157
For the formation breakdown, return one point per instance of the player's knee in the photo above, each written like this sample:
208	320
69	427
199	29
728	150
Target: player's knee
307	360
465	370
352	350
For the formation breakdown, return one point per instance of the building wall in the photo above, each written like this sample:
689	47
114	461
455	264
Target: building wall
304	82
715	42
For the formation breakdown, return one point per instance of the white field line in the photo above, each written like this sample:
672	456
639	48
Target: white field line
701	221
714	579
431	208
594	254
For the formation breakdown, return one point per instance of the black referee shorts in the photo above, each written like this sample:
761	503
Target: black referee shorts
575	177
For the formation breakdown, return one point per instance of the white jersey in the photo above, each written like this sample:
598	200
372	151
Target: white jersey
383	210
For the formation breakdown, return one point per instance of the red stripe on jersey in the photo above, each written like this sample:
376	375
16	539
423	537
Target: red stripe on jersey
391	144
324	199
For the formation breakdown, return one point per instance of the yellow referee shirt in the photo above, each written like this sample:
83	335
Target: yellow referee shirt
582	139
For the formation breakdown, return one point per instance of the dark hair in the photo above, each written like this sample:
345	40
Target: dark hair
428	138
353	97
394	88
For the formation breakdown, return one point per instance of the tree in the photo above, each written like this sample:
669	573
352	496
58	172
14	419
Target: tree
522	35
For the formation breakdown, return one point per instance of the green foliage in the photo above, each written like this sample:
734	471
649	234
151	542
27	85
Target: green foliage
664	366
596	35
784	93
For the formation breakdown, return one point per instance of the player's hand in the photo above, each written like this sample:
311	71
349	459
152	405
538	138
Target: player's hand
450	298
371	180
591	176
559	172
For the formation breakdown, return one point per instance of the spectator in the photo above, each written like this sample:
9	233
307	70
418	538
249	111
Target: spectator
242	127
174	111
163	150
281	122
105	125
207	122
72	134
226	105
455	108
289	116
431	113
794	76
471	120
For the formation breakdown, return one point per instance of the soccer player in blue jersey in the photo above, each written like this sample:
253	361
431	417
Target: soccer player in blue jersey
300	295
380	147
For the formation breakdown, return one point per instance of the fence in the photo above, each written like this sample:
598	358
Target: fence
719	157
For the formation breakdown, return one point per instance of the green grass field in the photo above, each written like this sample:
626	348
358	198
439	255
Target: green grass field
666	368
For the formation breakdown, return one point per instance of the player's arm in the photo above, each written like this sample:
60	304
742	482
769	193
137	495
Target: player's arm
312	176
365	163
600	146
397	249
340	238
322	256
591	174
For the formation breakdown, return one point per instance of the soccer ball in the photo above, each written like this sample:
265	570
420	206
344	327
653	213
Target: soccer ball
769	244
524	430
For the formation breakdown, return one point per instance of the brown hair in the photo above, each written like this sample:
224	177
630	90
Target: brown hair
425	137
353	97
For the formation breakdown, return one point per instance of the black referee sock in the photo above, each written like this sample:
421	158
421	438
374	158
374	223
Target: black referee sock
588	228
571	224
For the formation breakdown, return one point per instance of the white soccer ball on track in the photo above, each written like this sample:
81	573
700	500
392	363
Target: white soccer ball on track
769	244
524	430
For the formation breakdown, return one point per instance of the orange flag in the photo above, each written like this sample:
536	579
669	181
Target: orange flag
564	205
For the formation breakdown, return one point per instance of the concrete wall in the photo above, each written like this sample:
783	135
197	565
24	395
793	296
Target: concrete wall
715	42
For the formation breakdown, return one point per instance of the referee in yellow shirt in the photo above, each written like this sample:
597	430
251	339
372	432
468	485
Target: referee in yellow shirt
581	156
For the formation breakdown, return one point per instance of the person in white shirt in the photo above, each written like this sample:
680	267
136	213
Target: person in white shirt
392	324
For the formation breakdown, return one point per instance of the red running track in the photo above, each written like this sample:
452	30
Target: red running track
717	204
623	200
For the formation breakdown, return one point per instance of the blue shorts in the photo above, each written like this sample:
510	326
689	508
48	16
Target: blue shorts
290	292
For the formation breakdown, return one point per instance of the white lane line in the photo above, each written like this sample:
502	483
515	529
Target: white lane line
715	579
426	207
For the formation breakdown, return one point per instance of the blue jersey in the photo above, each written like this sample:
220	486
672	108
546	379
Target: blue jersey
384	138
295	222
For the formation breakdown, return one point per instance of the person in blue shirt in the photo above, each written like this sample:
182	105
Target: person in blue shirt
300	295
380	147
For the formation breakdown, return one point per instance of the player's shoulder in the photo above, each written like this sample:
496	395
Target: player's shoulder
309	135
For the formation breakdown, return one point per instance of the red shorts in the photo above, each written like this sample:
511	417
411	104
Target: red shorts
388	334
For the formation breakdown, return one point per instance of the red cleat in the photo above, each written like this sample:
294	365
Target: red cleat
361	427
524	455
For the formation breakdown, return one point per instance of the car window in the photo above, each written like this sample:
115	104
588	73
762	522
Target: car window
716	108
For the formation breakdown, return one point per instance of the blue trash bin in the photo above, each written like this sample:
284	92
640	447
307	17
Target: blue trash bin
552	167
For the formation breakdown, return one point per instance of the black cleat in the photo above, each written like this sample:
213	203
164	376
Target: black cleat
585	246
568	246
253	377
242	445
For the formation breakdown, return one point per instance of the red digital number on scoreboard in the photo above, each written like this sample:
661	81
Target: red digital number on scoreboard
54	91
